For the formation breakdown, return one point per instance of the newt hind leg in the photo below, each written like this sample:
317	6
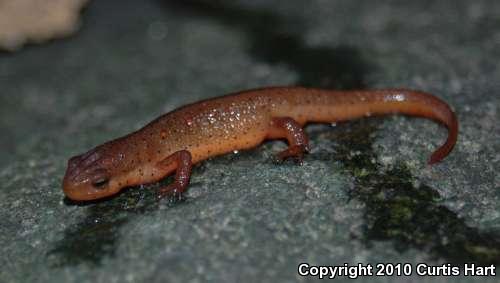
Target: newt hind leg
181	160
291	130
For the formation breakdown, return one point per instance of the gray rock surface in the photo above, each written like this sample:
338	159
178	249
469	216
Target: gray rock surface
364	194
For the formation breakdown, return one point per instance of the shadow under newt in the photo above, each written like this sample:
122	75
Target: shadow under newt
96	235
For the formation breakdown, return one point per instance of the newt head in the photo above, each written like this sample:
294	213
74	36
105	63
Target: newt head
89	176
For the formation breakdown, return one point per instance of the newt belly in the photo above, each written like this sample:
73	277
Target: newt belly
190	134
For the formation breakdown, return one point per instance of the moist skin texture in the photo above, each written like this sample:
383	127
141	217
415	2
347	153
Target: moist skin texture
177	140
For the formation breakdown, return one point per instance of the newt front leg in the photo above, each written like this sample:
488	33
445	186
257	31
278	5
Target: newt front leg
182	162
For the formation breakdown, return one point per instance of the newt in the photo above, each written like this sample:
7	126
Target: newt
176	140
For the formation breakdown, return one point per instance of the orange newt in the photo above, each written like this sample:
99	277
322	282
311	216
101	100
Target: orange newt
177	140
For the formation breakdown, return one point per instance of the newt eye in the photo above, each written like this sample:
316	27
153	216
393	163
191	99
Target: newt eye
100	183
100	179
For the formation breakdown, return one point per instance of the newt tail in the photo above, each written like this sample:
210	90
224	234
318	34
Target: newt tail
357	104
177	140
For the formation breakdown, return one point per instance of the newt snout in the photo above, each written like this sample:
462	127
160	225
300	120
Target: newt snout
87	178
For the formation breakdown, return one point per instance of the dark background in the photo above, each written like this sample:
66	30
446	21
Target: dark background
364	193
